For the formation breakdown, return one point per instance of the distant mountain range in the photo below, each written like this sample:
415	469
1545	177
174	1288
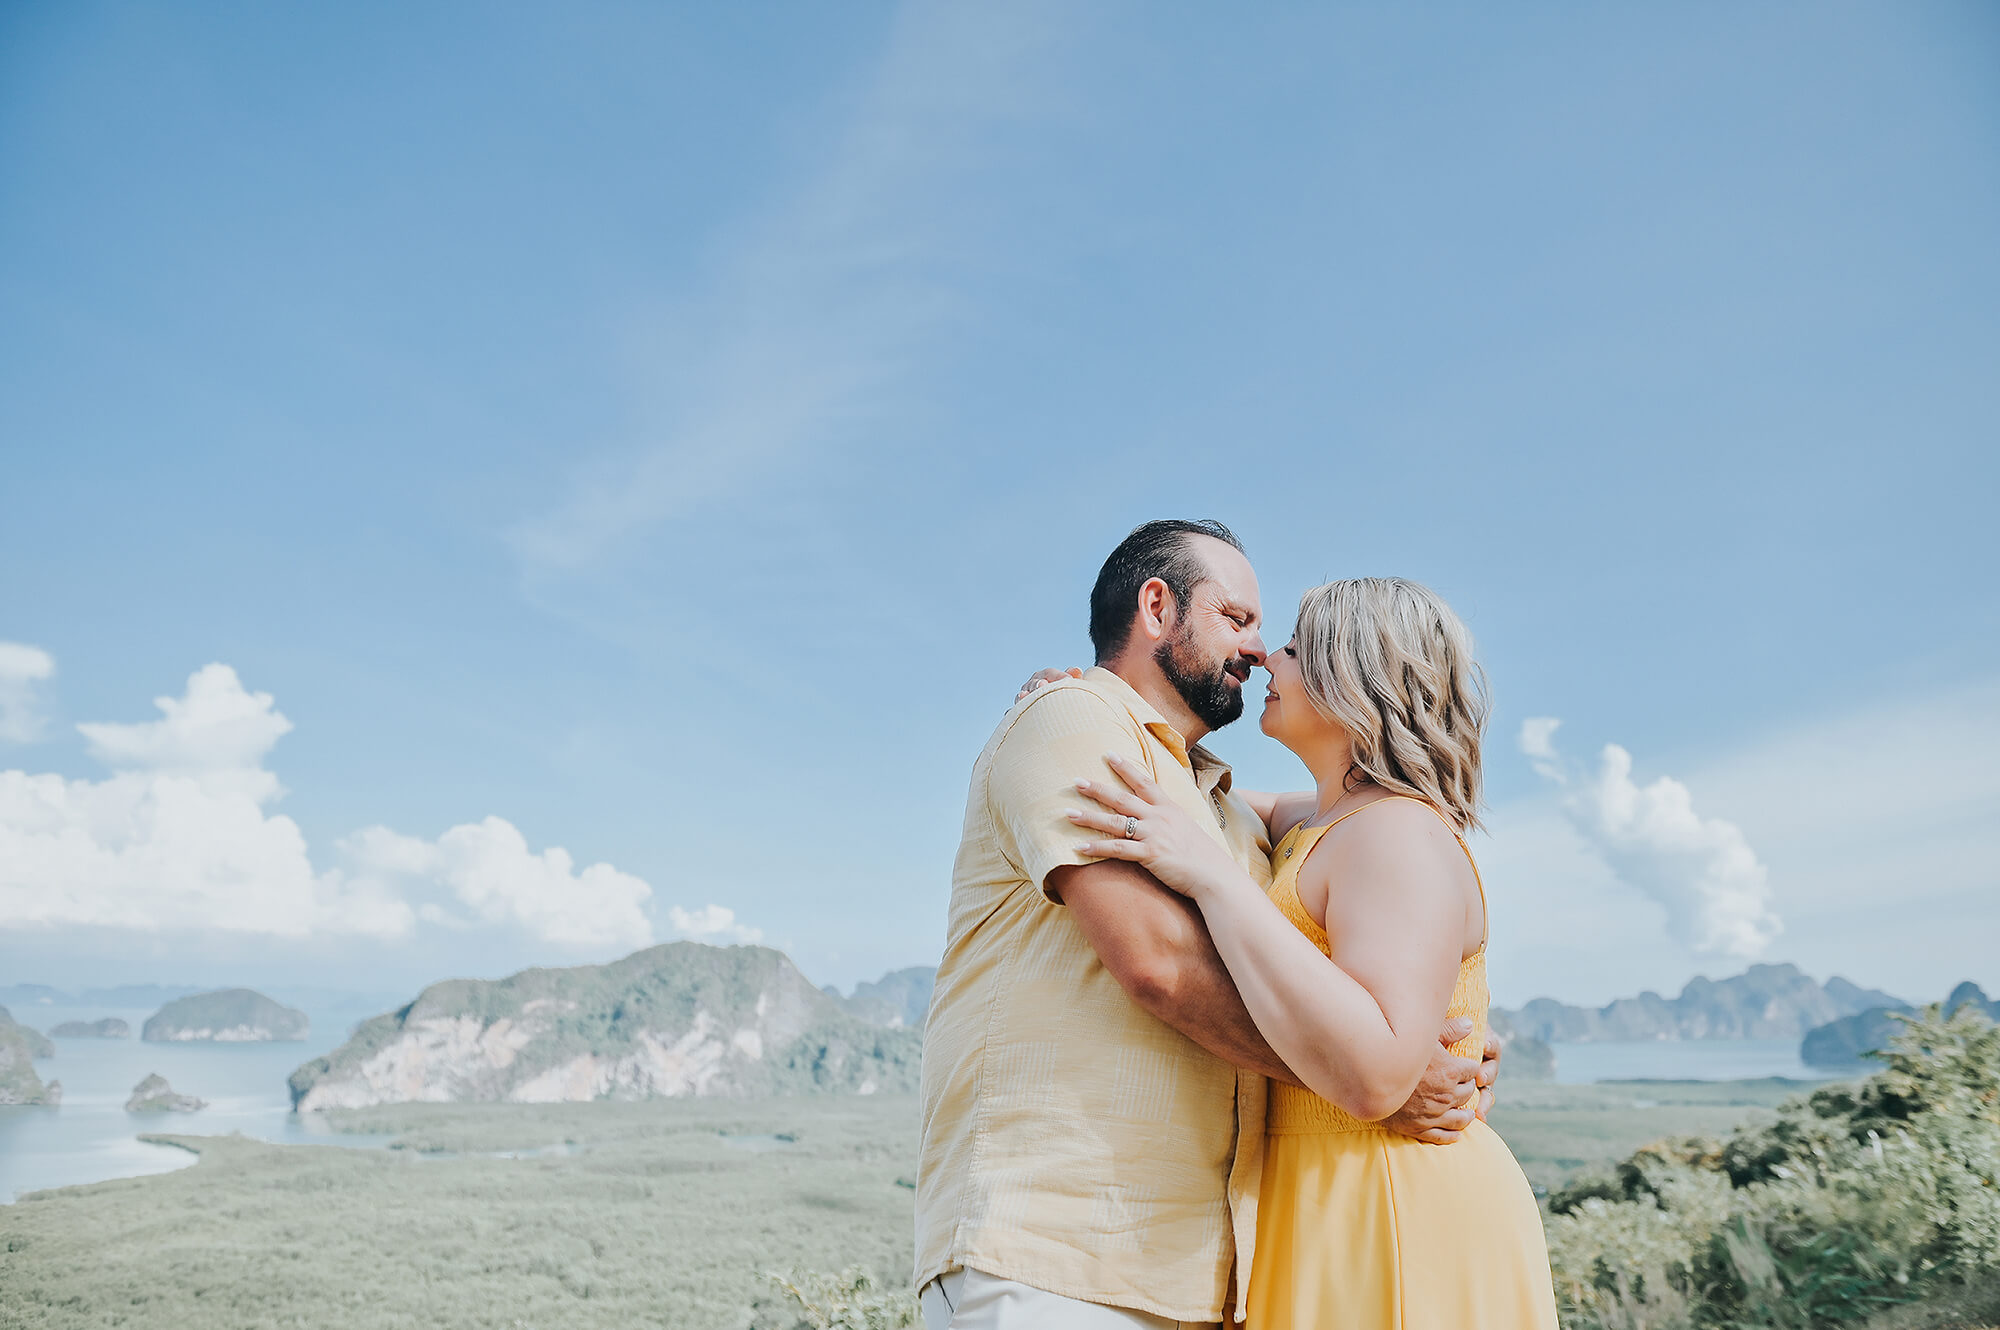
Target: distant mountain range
1764	1002
681	1019
900	999
1845	1041
127	996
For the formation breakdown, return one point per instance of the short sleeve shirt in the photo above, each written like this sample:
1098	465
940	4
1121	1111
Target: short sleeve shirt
1072	1141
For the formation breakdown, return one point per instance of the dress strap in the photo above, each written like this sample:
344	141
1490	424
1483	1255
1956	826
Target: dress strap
1485	916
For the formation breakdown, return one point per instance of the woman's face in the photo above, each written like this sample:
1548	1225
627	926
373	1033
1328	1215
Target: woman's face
1287	709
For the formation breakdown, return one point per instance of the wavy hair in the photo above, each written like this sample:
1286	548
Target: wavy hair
1387	660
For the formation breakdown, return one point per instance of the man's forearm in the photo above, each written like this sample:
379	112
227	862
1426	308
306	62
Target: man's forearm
1197	997
1156	946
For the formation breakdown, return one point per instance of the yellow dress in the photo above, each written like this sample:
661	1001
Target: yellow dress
1359	1227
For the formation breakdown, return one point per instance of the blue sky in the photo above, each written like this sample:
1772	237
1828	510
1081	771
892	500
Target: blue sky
673	434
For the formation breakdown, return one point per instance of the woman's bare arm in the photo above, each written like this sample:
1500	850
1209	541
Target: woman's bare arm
1360	1029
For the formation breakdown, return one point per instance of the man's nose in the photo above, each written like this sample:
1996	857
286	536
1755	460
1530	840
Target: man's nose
1252	648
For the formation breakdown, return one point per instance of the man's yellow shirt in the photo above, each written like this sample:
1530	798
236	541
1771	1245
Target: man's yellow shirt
1072	1141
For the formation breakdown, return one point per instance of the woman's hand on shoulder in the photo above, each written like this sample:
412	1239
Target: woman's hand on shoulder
1040	677
1146	827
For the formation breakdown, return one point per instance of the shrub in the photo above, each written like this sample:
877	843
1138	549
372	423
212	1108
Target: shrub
1855	1202
849	1300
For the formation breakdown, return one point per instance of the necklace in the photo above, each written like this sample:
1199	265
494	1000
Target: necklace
1314	820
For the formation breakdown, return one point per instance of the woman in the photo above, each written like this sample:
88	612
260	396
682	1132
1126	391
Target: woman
1373	932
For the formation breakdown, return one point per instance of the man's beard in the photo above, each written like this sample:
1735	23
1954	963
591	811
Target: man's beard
1205	686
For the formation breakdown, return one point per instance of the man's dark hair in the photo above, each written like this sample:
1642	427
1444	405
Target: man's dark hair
1162	549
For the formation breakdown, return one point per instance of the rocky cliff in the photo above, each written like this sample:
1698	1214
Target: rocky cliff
154	1095
37	1043
19	1047
1764	1002
898	1000
231	1016
1525	1058
1846	1041
676	1020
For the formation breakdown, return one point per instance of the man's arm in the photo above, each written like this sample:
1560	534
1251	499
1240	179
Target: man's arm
1154	944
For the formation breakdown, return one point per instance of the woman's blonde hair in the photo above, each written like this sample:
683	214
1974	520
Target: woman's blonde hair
1387	659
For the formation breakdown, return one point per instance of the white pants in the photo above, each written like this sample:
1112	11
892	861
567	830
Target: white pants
975	1300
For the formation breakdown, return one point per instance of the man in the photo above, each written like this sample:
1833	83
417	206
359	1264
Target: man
1091	1150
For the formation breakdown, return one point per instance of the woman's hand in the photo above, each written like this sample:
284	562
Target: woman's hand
1040	677
1149	829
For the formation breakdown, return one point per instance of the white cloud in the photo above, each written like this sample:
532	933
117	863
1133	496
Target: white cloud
711	922
1538	734
1701	870
216	733
496	879
22	668
181	837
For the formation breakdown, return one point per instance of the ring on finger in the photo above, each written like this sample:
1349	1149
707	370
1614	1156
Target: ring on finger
1131	828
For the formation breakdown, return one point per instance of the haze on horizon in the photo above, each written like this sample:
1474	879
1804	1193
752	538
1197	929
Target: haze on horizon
485	494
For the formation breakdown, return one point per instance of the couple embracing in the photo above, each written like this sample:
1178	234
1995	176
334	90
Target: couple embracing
1198	1053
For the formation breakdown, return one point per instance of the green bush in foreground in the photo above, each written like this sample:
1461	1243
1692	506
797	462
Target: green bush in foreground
850	1300
1879	1201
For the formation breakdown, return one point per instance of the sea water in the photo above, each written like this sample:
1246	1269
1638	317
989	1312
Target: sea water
1688	1060
90	1137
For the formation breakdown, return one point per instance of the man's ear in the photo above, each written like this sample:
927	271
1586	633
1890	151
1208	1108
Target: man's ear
1157	609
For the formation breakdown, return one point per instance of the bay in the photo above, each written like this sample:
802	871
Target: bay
90	1137
1688	1060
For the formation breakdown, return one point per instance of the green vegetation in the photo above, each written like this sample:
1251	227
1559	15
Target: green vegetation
1877	1200
232	1015
850	1300
615	1216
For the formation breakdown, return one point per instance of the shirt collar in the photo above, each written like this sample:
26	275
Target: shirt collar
1210	772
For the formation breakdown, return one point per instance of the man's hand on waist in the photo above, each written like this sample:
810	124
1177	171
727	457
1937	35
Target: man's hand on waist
1452	1093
